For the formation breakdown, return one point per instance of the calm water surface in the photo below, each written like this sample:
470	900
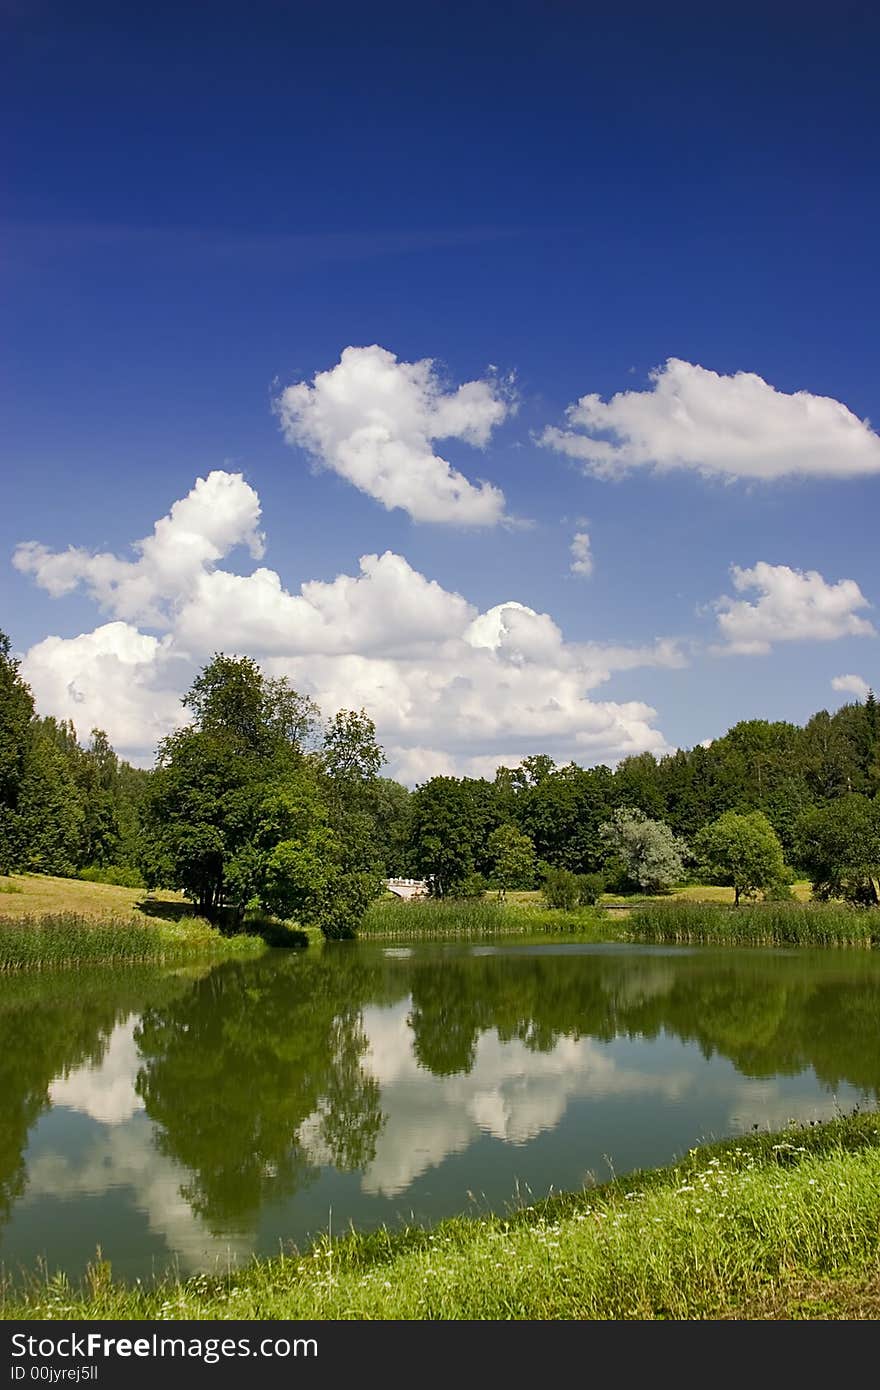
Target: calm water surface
193	1117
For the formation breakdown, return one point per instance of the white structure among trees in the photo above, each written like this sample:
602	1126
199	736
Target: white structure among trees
407	887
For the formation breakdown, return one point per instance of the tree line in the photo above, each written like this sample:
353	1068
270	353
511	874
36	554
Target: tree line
258	803
748	809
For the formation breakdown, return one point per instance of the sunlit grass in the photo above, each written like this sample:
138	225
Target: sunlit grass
747	1219
43	893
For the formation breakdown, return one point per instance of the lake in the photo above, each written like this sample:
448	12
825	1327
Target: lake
190	1117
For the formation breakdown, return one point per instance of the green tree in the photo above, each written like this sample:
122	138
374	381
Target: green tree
871	744
743	850
350	752
388	804
50	812
350	758
636	783
237	813
512	856
561	811
16	712
650	853
101	821
839	846
446	834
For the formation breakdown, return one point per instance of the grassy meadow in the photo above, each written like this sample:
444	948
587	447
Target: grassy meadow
47	922
782	1225
40	894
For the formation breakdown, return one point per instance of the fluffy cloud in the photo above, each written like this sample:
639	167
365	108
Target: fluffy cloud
793	606
581	554
220	512
853	685
374	420
735	426
388	605
450	687
116	678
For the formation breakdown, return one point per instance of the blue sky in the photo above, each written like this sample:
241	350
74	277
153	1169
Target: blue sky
206	207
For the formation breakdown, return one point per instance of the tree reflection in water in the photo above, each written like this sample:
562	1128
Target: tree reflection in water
254	1074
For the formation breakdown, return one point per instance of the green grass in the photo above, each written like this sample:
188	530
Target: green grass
40	894
68	938
48	921
123	875
767	1220
754	924
392	920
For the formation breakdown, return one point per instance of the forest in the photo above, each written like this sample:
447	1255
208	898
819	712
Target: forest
259	802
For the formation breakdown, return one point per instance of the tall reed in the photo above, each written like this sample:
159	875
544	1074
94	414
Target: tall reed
68	938
468	917
755	924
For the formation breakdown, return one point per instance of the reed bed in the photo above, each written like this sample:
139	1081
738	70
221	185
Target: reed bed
39	942
426	919
755	924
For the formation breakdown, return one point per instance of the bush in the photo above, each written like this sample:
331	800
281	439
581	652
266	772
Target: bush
474	886
345	901
561	888
778	893
123	875
590	889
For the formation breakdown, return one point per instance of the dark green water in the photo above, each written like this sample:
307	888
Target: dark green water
193	1117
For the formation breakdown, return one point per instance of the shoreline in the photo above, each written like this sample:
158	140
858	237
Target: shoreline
783	1224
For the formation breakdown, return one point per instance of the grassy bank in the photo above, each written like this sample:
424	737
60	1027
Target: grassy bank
68	938
756	924
41	894
422	920
773	1225
48	921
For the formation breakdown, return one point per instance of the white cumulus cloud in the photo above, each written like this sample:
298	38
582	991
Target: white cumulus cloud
852	685
736	426
450	688
374	420
581	554
220	512
116	678
387	605
792	606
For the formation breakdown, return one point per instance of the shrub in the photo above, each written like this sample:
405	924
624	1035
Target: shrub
474	886
590	889
562	889
778	893
123	875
